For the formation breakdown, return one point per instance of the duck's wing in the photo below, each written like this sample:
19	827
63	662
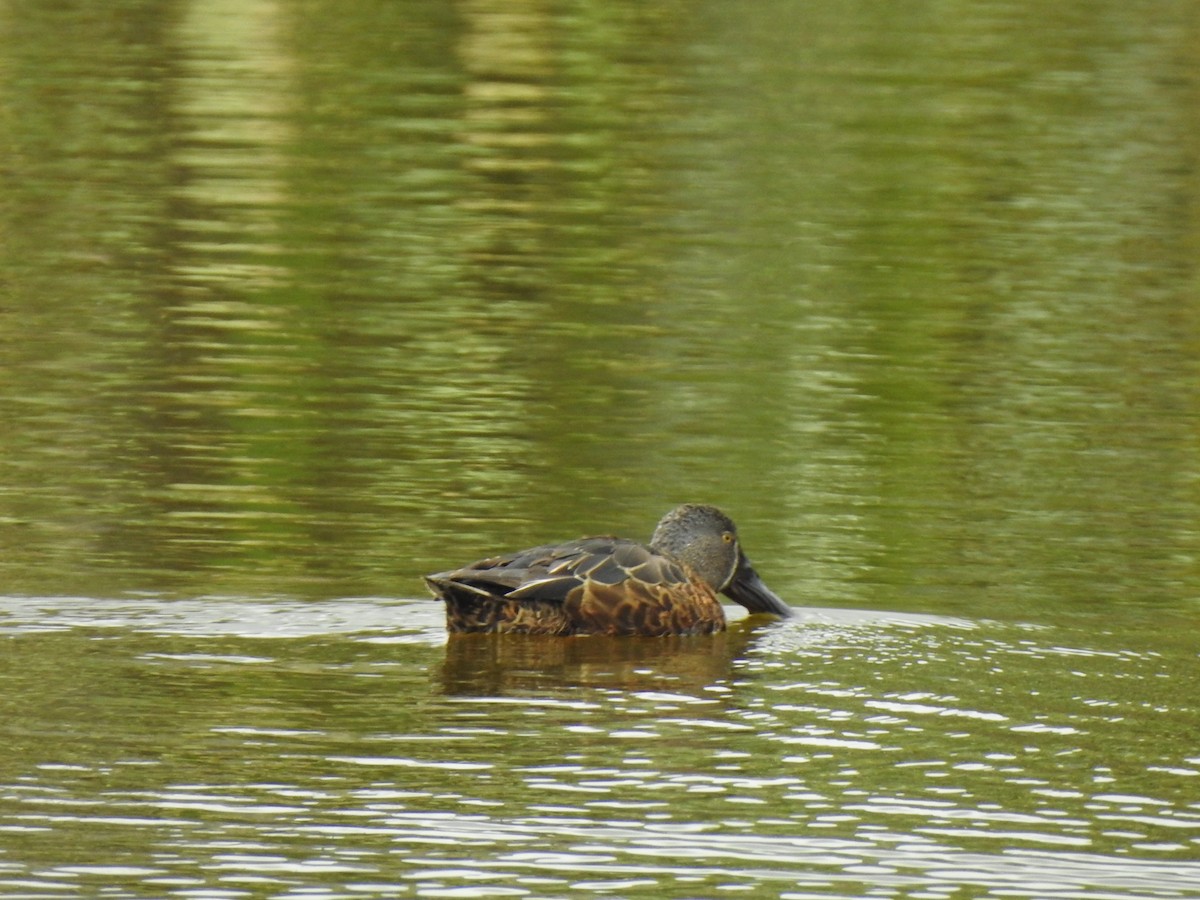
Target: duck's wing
597	585
555	572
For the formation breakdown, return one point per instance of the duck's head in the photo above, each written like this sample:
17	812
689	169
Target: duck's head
706	541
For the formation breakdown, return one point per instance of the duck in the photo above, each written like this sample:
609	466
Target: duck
610	585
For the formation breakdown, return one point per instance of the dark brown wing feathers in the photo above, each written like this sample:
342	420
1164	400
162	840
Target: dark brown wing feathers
599	585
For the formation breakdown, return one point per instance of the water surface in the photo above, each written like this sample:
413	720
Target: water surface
233	748
299	302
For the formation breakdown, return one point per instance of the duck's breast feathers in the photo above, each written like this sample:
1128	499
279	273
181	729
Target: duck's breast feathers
553	572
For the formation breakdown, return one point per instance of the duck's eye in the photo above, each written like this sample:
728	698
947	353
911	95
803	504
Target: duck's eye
727	537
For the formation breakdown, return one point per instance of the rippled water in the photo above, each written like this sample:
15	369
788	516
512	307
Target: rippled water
268	748
300	301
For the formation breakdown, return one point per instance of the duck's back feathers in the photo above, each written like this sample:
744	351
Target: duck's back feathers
600	585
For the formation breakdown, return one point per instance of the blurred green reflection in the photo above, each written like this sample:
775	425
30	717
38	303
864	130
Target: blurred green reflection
303	300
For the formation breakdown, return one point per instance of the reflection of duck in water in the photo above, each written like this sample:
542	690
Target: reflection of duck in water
494	664
612	586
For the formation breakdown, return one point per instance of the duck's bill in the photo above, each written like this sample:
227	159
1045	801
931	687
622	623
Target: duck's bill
748	589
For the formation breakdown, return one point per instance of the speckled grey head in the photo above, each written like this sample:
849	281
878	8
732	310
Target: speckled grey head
706	541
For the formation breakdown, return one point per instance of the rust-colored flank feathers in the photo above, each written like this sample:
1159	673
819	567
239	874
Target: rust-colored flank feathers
608	585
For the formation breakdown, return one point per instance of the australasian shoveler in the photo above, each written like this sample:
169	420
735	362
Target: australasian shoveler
609	585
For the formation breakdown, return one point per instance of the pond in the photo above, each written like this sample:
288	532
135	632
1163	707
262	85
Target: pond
299	303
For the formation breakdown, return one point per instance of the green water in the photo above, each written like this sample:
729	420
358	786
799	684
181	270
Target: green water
301	301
